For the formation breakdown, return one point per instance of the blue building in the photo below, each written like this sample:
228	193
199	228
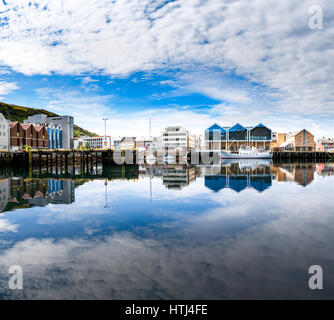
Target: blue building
55	136
232	138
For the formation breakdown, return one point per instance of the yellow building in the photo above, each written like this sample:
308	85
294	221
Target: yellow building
278	140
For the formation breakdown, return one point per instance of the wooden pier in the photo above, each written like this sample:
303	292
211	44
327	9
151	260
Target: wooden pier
213	157
302	156
65	160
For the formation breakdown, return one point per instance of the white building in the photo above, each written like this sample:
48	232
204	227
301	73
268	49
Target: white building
99	142
79	142
143	143
179	139
116	143
4	133
128	143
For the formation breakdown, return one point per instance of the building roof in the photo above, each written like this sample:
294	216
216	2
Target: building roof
285	144
326	140
128	139
38	127
12	124
294	133
237	127
215	126
25	126
260	125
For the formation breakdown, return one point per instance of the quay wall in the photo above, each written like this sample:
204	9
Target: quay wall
90	158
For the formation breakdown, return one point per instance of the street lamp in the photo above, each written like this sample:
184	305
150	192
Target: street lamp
105	130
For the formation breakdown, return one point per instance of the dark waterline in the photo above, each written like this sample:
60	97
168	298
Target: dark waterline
247	229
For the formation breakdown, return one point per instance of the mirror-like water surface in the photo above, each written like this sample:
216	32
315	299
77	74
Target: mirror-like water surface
246	229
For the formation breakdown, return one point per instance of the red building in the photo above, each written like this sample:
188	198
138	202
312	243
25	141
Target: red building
22	134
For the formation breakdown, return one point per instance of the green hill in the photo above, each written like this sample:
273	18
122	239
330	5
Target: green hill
17	113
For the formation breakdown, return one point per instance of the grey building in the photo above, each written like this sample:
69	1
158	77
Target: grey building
4	133
65	122
67	125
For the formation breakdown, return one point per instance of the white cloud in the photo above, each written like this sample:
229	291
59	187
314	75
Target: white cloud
268	42
7	87
7	226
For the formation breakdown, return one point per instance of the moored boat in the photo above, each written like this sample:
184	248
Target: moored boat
247	153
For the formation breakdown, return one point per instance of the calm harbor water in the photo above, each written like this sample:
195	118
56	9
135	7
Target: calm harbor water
246	229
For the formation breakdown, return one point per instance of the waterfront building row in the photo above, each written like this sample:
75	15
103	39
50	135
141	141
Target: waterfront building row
105	142
38	131
60	129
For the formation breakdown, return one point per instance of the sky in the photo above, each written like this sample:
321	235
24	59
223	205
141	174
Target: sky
181	62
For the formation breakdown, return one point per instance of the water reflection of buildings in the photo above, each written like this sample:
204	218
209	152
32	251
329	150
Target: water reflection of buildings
325	169
23	193
303	173
4	193
59	192
173	176
177	177
238	177
235	174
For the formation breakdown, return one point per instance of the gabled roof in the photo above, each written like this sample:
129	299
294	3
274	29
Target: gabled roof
12	124
237	127
25	126
260	125
292	134
38	128
215	126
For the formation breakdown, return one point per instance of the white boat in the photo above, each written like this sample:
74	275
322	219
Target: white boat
151	159
247	153
247	163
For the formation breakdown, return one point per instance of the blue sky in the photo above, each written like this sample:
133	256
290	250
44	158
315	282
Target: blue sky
187	62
